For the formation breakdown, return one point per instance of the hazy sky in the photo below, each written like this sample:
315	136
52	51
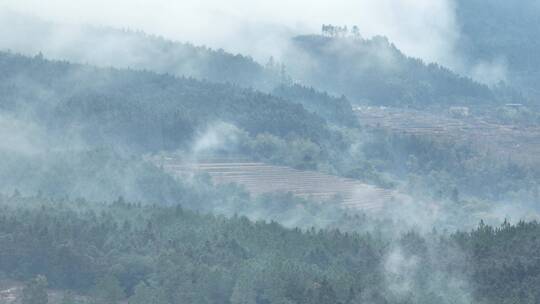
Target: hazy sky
422	28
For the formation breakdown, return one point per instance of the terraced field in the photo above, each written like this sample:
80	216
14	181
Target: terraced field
501	141
259	178
11	293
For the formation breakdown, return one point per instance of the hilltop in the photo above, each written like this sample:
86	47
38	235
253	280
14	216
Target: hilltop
376	72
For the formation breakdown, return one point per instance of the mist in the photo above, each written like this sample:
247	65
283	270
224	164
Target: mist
237	153
423	29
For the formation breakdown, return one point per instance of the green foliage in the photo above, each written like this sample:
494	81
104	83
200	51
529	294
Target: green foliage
161	255
141	110
96	174
298	153
502	261
189	257
376	71
451	169
334	110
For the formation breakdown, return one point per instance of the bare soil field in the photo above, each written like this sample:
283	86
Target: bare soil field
518	143
11	293
259	178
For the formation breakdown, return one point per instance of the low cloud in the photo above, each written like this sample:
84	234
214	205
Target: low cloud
490	73
219	136
422	28
20	138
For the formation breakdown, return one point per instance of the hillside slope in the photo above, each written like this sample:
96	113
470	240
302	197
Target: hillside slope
376	72
126	49
142	109
108	47
119	251
502	35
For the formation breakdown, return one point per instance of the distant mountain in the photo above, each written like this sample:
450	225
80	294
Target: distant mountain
126	49
363	70
107	47
504	33
376	72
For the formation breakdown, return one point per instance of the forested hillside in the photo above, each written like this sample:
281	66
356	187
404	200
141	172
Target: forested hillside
336	110
108	47
374	71
143	110
499	35
137	169
83	108
364	70
127	49
82	130
78	107
150	254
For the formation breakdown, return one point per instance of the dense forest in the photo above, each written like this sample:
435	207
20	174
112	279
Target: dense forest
144	110
445	167
365	70
140	51
374	71
151	254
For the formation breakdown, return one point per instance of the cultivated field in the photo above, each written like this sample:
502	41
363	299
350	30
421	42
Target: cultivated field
259	178
11	293
500	141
